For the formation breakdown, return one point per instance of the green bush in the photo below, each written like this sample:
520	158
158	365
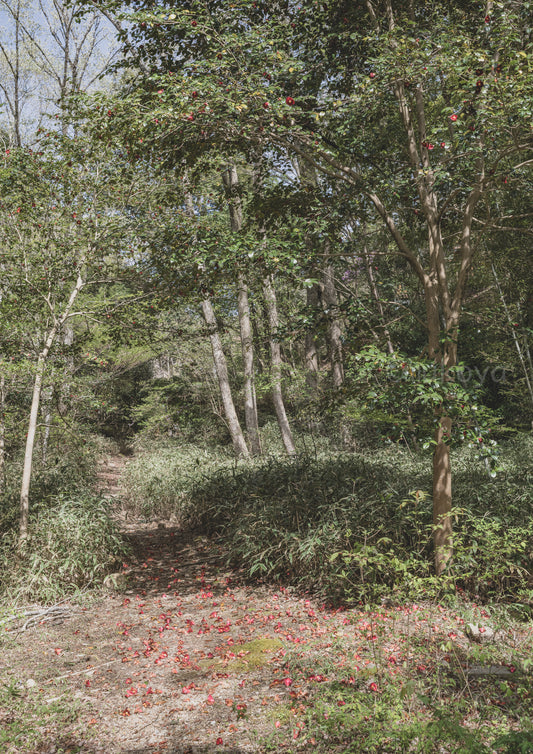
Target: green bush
159	483
352	526
70	469
73	543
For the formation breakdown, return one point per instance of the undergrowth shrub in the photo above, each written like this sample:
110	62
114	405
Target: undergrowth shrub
73	544
159	483
70	469
352	526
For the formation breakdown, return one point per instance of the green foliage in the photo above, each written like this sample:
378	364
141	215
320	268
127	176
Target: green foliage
73	544
515	743
417	699
361	710
347	525
160	483
397	386
28	719
70	469
176	407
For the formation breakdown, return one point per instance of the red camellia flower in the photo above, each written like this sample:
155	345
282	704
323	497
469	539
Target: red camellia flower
372	75
453	117
289	101
266	105
431	146
443	144
219	742
487	19
194	23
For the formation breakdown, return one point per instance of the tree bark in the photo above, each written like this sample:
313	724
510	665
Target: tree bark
250	402
34	413
311	353
442	495
231	183
221	367
376	297
30	439
331	308
275	356
307	176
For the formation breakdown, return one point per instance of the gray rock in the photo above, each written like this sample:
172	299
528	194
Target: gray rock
482	634
496	671
115	582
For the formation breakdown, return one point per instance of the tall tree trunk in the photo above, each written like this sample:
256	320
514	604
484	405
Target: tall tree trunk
528	374
220	364
231	184
30	440
442	469
275	356
34	413
221	367
250	402
331	307
308	178
376	297
311	353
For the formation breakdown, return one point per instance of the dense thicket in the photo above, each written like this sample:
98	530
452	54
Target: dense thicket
311	221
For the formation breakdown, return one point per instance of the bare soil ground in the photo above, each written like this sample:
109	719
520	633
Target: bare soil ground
190	658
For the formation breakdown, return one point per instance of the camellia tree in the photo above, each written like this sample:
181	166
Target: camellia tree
68	227
420	112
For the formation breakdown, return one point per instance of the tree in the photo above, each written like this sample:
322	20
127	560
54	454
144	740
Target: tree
66	220
420	111
231	183
47	54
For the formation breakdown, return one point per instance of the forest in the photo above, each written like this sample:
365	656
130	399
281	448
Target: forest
266	333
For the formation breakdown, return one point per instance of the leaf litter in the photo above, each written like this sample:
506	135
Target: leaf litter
191	658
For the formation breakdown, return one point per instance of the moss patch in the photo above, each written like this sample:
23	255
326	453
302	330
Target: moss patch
256	654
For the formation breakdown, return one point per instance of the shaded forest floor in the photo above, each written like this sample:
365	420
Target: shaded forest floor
187	657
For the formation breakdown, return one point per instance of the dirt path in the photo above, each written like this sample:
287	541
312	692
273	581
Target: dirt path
191	659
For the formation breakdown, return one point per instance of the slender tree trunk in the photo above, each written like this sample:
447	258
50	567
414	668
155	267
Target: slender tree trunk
259	340
250	403
528	376
34	414
377	299
30	440
442	469
311	353
331	306
221	367
308	178
275	356
231	184
442	495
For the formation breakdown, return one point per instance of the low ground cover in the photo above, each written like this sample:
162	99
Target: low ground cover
191	657
273	606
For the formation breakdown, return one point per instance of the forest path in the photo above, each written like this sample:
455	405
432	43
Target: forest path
191	659
108	475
